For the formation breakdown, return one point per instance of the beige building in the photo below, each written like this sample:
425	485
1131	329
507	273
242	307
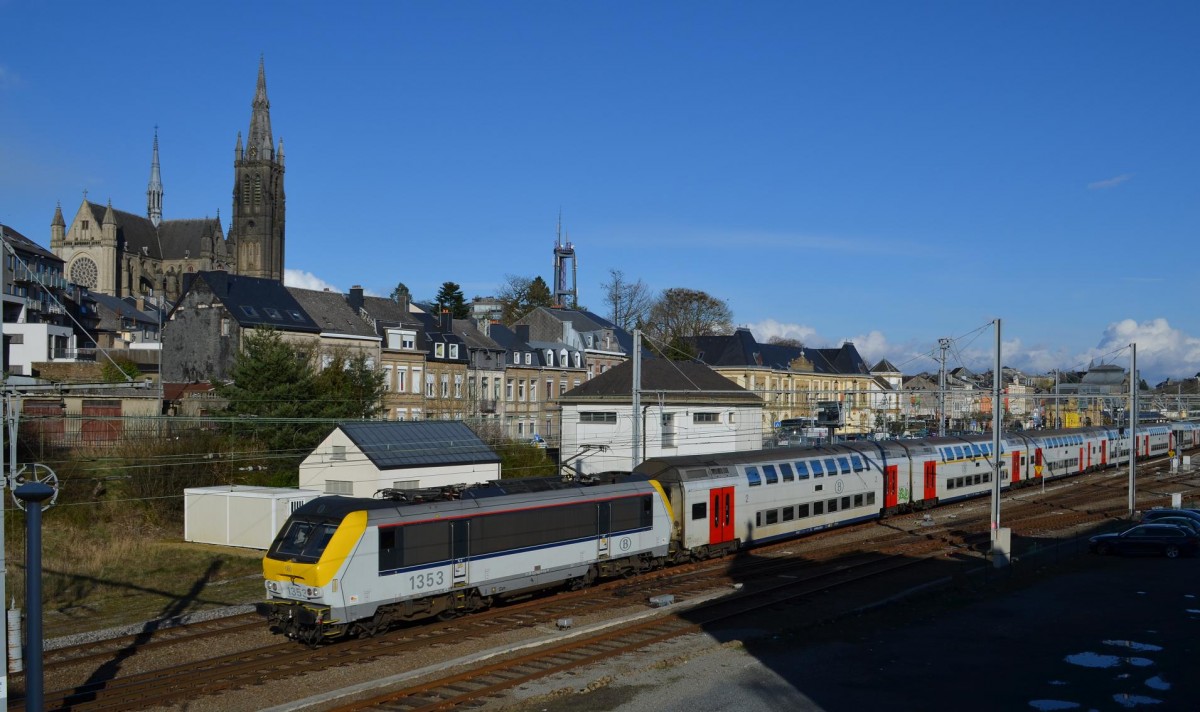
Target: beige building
793	381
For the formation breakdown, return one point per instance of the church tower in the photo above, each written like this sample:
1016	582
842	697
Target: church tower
154	190
258	200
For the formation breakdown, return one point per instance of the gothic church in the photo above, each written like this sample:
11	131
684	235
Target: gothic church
119	253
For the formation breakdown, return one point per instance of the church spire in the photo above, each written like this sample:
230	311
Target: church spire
154	191
259	138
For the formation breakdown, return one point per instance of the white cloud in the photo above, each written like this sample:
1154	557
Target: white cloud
1110	182
764	331
1162	351
306	280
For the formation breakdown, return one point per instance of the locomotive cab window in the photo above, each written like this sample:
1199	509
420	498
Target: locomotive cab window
303	541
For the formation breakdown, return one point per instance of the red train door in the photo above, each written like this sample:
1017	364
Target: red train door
891	493
1103	453
930	480
720	525
1016	468
1037	462
1146	446
1081	459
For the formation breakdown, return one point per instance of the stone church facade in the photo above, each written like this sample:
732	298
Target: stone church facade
123	254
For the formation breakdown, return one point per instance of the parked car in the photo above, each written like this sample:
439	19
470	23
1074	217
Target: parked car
1152	515
1184	523
1148	539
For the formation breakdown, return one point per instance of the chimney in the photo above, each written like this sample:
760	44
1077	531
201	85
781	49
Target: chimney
522	331
447	322
356	298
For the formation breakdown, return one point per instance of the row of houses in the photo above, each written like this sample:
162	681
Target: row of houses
435	367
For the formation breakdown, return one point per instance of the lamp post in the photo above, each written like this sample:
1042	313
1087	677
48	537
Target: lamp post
33	494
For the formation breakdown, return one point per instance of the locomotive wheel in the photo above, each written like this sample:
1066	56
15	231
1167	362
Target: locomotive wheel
1172	552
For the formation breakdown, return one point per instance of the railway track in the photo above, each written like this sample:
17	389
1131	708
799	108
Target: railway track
954	530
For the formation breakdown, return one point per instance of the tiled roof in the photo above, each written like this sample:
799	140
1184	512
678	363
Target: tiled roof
474	338
389	311
122	309
392	444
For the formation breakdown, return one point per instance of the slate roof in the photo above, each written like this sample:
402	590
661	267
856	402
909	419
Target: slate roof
742	349
884	366
122	310
176	237
584	321
256	301
389	313
22	243
473	337
660	374
331	312
394	444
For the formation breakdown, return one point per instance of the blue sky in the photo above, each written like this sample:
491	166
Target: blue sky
885	172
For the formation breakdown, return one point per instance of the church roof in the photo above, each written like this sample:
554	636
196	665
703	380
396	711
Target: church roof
174	239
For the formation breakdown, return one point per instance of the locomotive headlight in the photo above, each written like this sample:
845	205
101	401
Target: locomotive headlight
274	587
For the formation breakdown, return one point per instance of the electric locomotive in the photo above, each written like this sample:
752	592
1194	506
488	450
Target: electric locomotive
343	565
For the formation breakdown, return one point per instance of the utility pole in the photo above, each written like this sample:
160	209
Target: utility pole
7	408
1133	418
1001	537
945	346
637	401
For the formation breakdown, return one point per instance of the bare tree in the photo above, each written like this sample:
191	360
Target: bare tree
680	313
628	302
786	341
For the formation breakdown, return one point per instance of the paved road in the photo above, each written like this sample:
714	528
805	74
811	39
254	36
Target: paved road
1100	634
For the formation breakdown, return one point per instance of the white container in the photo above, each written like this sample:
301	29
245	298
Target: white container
234	515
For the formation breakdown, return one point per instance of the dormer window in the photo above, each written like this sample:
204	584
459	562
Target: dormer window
454	351
528	358
517	357
562	358
575	358
439	350
549	357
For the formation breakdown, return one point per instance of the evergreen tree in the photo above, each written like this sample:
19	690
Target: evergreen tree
401	292
451	298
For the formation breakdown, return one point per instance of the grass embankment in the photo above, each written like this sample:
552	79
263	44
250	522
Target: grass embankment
119	572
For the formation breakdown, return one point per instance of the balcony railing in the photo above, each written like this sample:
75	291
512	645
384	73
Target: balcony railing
74	355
